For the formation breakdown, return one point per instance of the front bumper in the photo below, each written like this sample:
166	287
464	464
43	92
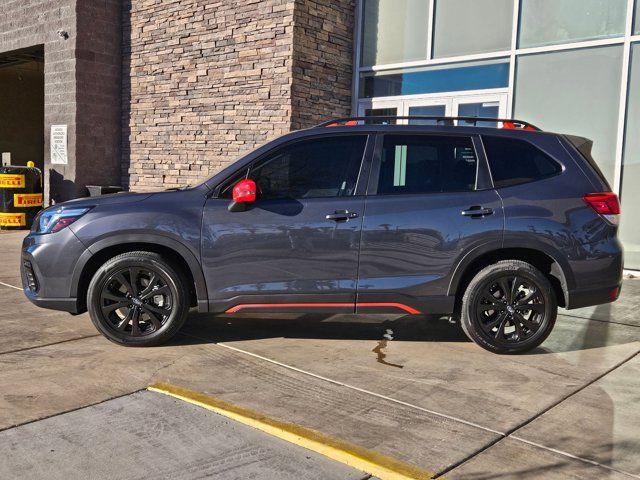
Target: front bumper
47	266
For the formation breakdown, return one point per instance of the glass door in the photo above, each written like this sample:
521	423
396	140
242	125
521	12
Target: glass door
434	107
490	105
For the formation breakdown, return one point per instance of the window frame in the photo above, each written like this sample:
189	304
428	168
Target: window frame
518	139
363	171
482	181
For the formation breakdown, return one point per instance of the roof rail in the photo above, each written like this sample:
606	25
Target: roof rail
508	123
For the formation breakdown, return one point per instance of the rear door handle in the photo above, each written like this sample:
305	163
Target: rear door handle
341	215
477	211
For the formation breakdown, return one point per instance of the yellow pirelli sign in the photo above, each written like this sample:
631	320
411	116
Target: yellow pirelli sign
26	200
11	180
13	220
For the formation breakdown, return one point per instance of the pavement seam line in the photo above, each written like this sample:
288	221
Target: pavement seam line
10	286
71	410
599	320
538	415
362	390
355	456
566	454
25	349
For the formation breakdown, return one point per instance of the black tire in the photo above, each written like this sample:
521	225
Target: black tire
521	318
145	311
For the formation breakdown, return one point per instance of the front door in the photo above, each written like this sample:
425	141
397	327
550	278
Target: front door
426	208
296	248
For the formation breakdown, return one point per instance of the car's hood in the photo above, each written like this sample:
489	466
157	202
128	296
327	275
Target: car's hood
111	199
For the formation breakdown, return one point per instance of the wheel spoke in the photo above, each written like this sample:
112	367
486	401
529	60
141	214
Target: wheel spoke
106	295
534	307
527	323
157	322
107	309
503	323
488	327
504	287
514	289
158	310
125	283
533	294
492	306
134	273
153	281
135	322
125	321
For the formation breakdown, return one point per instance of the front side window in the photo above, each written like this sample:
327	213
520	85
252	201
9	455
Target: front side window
322	167
513	162
427	164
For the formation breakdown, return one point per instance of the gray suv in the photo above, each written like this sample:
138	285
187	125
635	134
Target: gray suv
492	221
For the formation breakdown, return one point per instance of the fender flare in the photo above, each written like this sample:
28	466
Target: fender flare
157	239
564	273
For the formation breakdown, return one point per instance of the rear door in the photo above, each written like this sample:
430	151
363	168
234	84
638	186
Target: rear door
296	247
429	203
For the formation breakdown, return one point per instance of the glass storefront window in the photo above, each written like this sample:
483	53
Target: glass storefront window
629	225
550	22
394	31
447	78
575	92
463	27
636	24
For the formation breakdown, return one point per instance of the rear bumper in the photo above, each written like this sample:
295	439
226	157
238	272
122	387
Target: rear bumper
593	296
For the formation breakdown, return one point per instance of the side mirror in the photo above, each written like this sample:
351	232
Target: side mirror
244	192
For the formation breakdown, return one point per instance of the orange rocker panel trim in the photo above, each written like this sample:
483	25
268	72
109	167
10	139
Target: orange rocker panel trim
246	306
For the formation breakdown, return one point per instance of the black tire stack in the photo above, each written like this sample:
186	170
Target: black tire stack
20	196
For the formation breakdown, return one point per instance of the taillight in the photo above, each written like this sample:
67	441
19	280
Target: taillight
604	203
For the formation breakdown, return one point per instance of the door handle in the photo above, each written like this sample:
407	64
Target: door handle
477	211
341	215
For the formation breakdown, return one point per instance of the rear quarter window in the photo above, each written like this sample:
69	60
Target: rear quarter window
513	161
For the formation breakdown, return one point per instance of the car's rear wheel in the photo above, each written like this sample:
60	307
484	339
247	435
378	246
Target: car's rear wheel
509	307
138	299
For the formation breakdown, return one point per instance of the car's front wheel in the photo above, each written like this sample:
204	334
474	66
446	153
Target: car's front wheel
138	299
509	307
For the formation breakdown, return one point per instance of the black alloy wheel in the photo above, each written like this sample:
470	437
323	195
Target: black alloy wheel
509	307
138	299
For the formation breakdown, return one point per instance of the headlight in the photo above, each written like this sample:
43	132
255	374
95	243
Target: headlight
55	219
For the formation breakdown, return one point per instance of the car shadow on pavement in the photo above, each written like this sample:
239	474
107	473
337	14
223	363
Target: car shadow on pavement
226	328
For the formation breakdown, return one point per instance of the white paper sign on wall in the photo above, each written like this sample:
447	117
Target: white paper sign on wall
59	145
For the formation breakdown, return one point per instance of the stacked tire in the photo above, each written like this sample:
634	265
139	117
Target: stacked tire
20	196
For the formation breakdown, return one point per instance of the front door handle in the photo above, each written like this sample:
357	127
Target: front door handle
341	215
477	211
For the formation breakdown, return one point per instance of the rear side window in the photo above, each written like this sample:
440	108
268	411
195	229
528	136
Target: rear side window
513	161
427	164
320	167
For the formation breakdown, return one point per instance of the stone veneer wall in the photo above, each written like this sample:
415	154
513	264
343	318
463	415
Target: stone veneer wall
203	82
206	81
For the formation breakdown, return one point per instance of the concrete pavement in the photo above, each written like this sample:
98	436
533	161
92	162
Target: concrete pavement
569	409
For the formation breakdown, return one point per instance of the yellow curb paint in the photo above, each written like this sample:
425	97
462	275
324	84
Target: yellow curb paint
381	466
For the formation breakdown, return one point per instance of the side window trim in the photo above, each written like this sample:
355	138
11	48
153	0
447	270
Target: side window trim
222	186
376	159
484	179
